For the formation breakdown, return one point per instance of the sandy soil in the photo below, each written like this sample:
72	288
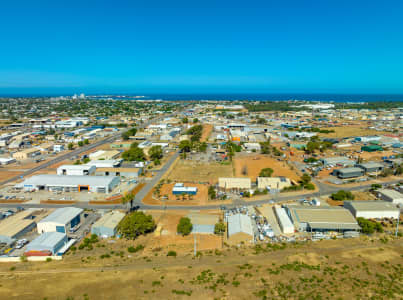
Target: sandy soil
350	130
346	269
256	162
207	129
187	170
4	175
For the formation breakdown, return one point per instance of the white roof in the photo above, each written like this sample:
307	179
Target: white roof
75	167
62	215
239	223
66	180
391	194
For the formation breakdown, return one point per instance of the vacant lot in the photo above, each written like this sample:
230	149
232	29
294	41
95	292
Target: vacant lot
207	129
253	164
187	170
342	269
4	175
350	130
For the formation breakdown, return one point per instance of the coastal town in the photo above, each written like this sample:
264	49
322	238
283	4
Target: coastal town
180	178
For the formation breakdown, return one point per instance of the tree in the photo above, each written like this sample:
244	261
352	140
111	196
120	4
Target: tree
80	143
368	226
195	120
219	228
136	224
134	153
211	192
342	195
70	146
86	142
127	134
245	170
185	146
266	172
185	226
265	148
305	179
155	152
185	120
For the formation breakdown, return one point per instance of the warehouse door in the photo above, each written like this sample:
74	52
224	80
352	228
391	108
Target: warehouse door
83	188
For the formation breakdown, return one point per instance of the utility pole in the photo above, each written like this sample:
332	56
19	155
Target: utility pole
195	246
397	224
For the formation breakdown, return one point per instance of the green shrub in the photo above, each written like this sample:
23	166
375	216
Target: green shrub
171	253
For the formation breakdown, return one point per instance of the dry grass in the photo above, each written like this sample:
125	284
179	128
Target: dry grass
207	129
186	170
253	164
350	130
346	269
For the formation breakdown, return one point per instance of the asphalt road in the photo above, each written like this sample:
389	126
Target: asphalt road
60	158
148	187
75	152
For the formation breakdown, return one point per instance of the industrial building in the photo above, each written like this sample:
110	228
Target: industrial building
273	183
322	218
391	196
27	153
107	163
180	188
104	155
232	183
125	172
240	229
107	225
76	170
347	173
338	160
371	167
7	160
283	220
61	220
48	242
371	148
13	227
98	184
372	209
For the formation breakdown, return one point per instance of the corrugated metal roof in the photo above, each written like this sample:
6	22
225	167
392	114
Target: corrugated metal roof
110	220
66	180
391	193
14	224
239	223
47	239
372	205
62	215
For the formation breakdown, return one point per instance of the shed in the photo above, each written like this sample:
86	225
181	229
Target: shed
61	220
346	173
283	220
371	148
240	229
372	209
107	225
371	167
391	196
13	227
232	183
48	241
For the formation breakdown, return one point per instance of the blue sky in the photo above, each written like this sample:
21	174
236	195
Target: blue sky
204	46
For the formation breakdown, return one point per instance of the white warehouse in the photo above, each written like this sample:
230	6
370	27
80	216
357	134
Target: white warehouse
61	220
76	170
66	183
372	209
283	220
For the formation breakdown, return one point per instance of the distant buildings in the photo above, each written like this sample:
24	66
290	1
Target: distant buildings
233	183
